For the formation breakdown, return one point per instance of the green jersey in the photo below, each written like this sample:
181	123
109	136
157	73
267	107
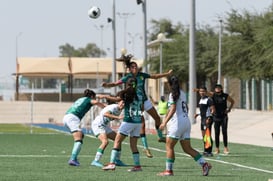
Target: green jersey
140	77
133	112
80	107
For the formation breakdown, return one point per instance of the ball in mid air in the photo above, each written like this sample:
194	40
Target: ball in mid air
94	12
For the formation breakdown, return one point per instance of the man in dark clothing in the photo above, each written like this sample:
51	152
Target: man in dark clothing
220	117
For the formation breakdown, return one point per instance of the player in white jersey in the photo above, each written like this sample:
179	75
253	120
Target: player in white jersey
102	130
179	128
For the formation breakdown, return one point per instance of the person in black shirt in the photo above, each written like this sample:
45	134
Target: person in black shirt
207	109
220	117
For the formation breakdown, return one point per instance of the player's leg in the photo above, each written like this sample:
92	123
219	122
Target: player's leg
170	157
104	142
118	162
144	141
153	113
72	122
78	141
186	146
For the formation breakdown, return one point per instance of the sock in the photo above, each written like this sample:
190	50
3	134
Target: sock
159	133
114	154
169	163
199	159
118	155
144	141
136	159
99	154
76	149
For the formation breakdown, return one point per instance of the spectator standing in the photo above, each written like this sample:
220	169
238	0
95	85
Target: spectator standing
220	117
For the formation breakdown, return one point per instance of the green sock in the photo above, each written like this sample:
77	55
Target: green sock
136	159
76	150
169	163
144	141
159	133
114	154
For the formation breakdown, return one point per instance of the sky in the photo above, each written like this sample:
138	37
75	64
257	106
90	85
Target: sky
38	27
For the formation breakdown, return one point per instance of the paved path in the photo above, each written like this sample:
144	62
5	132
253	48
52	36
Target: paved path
247	127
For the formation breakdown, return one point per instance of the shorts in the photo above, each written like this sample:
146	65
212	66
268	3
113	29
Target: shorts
72	122
98	128
130	129
179	130
148	105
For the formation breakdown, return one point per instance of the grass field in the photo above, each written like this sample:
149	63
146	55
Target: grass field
43	155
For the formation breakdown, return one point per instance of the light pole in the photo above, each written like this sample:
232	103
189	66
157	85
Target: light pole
161	37
125	16
114	69
100	28
192	65
220	53
17	66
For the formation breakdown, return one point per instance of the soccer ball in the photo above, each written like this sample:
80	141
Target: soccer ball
94	12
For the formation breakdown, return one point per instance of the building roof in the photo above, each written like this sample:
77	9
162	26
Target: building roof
63	66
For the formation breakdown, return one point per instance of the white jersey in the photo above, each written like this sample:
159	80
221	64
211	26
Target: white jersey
101	122
179	126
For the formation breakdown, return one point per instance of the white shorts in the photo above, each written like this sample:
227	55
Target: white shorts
179	130
130	129
98	128
148	105
72	122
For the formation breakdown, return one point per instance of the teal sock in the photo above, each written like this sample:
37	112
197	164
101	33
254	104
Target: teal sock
76	150
99	154
136	159
159	133
118	155
114	154
169	163
144	141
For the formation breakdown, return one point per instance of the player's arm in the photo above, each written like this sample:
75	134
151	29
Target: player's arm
112	116
111	84
97	103
109	98
158	76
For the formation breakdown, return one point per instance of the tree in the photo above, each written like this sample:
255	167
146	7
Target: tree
91	50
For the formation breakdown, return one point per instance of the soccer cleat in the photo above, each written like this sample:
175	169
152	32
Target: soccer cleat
162	140
96	163
148	153
135	169
166	173
110	166
206	167
120	163
74	163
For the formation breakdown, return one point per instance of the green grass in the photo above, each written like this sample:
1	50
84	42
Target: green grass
43	155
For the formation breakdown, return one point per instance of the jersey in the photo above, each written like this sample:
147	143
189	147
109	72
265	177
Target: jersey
204	105
133	112
220	102
80	107
179	126
140	77
112	109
